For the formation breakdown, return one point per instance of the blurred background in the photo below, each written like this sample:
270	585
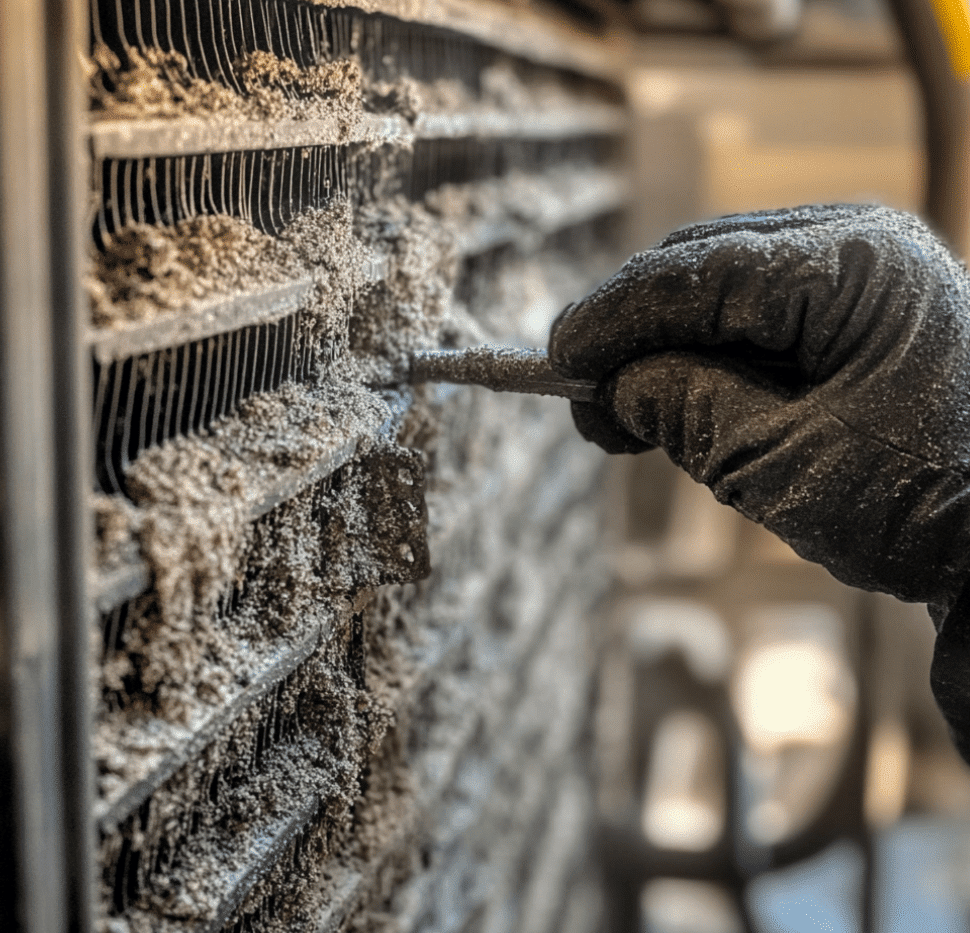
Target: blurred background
771	757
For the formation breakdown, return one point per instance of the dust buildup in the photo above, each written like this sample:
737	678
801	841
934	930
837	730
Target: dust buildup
505	87
502	89
378	916
284	566
385	803
344	720
153	83
336	259
415	306
295	428
194	523
374	522
283	588
193	532
341	754
408	309
195	499
372	652
324	242
532	200
277	89
146	271
329	723
409	98
196	494
116	524
389	630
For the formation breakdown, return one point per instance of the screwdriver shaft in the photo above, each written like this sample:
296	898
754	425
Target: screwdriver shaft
501	369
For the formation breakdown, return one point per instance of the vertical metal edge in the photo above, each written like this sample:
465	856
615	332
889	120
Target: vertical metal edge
30	743
66	24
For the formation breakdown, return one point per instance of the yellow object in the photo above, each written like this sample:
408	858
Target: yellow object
953	18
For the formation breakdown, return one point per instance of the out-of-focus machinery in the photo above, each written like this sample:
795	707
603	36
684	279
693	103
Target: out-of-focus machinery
756	714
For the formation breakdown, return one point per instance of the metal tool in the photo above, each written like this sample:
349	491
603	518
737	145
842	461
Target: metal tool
501	369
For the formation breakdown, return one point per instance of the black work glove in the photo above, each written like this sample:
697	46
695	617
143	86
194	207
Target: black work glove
812	367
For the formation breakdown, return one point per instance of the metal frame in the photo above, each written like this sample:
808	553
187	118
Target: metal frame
45	838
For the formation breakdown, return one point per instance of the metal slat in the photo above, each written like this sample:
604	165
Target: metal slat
142	139
206	319
530	35
280	661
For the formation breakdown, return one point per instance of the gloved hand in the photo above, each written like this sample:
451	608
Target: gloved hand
858	453
857	450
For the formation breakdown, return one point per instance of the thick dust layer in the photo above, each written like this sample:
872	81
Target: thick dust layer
146	271
337	259
282	593
196	498
337	747
411	306
409	98
304	746
532	200
329	718
360	829
149	270
503	88
194	663
153	83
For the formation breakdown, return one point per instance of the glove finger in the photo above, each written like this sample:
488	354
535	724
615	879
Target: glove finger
596	423
711	418
770	221
873	515
810	288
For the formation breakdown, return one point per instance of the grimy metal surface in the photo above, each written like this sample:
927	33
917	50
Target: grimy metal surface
514	29
205	320
66	23
129	139
596	193
223	785
44	791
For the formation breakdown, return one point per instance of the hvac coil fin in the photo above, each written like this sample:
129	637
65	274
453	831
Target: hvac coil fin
327	635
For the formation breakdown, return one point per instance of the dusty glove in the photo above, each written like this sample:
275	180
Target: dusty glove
858	453
812	367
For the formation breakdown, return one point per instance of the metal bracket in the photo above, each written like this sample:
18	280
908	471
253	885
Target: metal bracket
376	521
